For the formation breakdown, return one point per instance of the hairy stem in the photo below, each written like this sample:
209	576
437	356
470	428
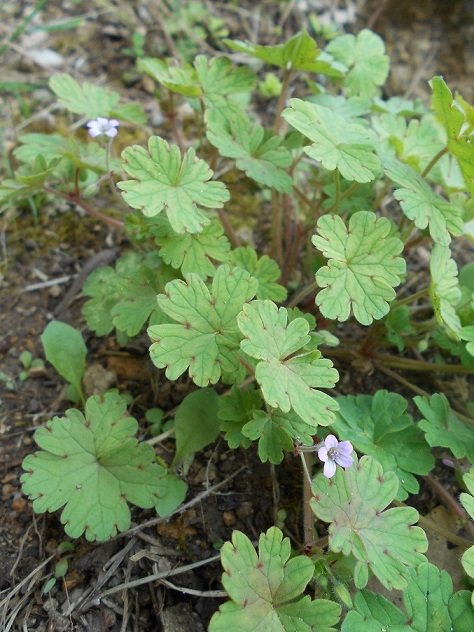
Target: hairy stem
228	228
308	519
302	294
174	123
410	299
433	161
337	190
277	228
292	257
419	365
349	191
282	100
74	199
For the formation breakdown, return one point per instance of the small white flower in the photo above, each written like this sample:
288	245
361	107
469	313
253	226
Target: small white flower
105	126
334	452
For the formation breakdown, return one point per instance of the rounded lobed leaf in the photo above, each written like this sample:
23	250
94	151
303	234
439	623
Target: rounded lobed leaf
205	338
363	266
366	59
445	291
429	605
165	181
93	466
288	379
354	502
338	143
264	587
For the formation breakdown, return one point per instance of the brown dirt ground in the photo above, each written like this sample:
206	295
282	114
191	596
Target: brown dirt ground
422	41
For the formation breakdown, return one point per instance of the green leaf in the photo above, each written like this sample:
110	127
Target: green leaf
235	410
264	269
192	252
400	105
182	80
443	428
453	117
218	76
288	379
256	152
467	500
165	181
398	326
125	298
209	77
129	112
353	501
64	347
93	466
429	604
422	205
363	266
39	171
338	143
12	191
444	290
414	142
205	338
300	52
266	589
275	432
365	57
348	108
379	426
87	99
87	155
196	423
374	613
34	144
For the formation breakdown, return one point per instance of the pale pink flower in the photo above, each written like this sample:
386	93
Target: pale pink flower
100	125
334	452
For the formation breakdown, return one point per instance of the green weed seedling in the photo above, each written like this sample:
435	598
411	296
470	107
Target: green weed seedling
29	364
341	186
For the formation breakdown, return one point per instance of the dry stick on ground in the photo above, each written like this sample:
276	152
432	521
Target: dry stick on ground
20	552
29	581
110	568
213	594
156	577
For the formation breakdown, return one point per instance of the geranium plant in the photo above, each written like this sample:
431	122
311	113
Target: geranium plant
352	184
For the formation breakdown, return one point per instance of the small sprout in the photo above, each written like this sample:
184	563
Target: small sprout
103	126
334	452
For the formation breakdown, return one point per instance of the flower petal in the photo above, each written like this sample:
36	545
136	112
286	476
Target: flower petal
329	468
345	447
344	460
323	454
330	441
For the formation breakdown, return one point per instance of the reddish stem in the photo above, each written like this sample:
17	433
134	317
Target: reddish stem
74	199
